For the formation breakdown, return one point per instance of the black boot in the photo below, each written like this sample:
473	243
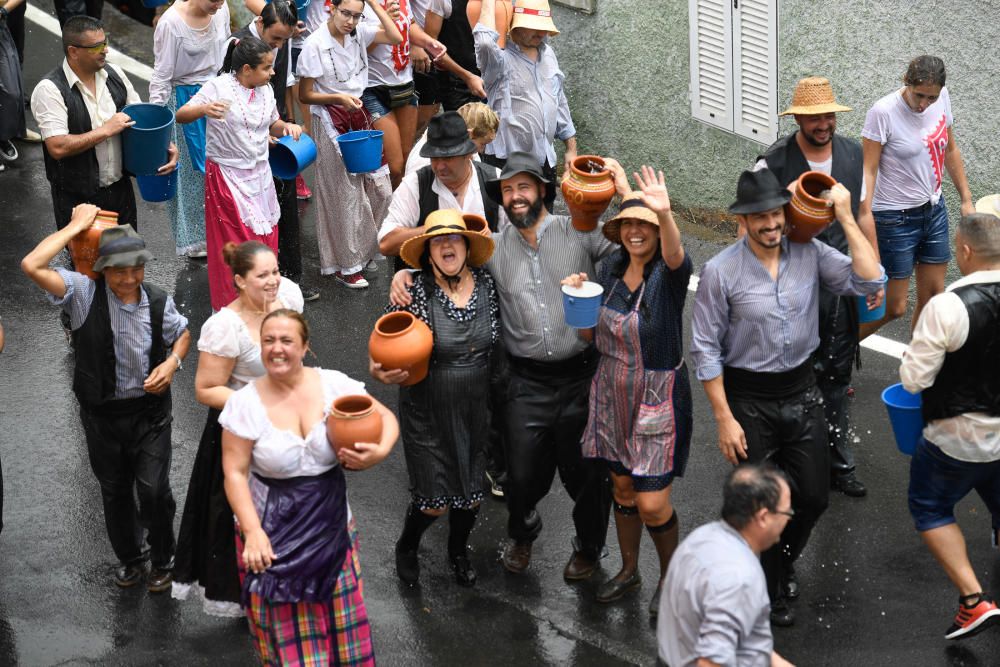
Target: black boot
407	564
665	538
460	523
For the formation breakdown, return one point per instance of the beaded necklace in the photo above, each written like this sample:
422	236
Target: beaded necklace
358	58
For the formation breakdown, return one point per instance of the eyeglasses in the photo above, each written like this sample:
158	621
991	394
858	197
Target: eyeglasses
94	48
449	238
350	16
790	513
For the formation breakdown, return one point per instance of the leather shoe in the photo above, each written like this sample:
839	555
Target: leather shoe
782	615
790	585
516	557
579	567
127	576
849	485
617	586
407	566
160	579
465	574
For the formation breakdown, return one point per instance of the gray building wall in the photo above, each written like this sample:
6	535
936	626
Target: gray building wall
627	76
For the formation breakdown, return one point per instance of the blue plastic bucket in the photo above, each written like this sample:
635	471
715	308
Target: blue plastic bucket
582	305
157	188
362	150
145	144
905	417
289	157
865	315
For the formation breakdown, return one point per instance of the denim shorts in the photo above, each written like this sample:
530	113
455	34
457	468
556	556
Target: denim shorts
912	236
377	107
938	482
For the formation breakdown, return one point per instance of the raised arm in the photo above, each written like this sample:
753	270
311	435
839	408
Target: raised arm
388	33
864	260
956	169
36	263
655	196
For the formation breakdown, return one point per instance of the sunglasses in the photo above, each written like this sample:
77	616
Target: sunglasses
350	16
99	47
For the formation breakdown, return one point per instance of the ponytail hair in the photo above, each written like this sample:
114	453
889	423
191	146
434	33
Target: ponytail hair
279	11
247	51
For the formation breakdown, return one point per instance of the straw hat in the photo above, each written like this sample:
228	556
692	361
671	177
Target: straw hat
632	208
444	222
989	204
534	15
813	95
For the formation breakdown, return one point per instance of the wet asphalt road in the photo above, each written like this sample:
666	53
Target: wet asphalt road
871	594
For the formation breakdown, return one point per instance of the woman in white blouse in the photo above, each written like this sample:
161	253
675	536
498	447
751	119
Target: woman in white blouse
188	48
229	358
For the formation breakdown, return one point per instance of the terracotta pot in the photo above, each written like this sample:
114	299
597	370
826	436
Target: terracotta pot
83	247
808	214
353	419
588	191
401	340
474	222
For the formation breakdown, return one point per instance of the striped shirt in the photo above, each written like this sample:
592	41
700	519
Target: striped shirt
130	325
745	319
528	96
528	283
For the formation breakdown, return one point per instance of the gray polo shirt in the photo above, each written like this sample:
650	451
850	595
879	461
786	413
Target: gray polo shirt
714	603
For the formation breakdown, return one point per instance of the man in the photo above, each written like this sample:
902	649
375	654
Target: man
524	86
714	605
550	368
815	146
953	358
129	341
78	107
754	333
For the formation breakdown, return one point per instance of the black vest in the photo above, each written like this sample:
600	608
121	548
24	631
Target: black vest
79	174
785	159
456	34
94	374
969	380
280	77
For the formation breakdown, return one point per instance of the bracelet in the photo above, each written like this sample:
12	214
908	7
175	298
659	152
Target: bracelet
180	366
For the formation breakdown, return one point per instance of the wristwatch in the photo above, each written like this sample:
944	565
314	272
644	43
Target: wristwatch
180	366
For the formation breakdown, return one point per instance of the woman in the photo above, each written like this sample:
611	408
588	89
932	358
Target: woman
908	142
640	398
229	358
333	73
445	417
303	589
482	122
240	200
189	45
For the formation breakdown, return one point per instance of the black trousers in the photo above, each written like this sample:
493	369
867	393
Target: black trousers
833	364
289	243
496	459
545	420
1	496
548	171
129	447
452	92
66	9
790	433
118	197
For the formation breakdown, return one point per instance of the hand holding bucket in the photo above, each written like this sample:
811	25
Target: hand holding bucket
581	301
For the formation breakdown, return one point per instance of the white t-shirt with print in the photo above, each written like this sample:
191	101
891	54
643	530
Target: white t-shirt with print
390	64
911	168
337	68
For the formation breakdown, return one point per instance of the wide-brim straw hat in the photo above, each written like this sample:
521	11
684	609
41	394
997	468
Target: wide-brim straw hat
813	95
441	223
632	208
121	247
534	15
989	204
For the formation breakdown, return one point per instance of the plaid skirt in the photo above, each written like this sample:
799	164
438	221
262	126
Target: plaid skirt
307	634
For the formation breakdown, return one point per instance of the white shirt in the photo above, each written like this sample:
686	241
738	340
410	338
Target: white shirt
385	57
415	160
404	209
317	14
944	327
240	139
911	168
419	8
185	56
52	116
337	68
290	79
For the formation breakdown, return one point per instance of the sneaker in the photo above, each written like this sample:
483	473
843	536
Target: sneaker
309	294
31	137
975	619
496	483
302	190
8	151
354	281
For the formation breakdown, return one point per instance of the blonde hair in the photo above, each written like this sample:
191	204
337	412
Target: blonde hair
481	120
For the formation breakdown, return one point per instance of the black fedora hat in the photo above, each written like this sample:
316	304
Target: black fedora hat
759	191
447	136
518	162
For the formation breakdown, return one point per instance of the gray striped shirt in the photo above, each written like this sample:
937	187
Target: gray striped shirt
528	283
743	318
130	325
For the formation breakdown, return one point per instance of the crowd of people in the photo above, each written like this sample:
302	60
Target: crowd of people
470	100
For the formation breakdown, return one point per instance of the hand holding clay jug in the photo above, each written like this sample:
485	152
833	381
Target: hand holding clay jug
588	190
353	419
401	340
83	247
808	213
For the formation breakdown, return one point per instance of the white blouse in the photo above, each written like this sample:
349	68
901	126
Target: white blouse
336	68
385	57
225	334
183	55
240	139
281	454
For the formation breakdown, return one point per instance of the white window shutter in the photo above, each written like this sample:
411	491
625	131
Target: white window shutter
755	76
711	43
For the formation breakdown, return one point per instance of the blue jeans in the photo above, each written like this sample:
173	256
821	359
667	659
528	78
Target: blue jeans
938	482
911	236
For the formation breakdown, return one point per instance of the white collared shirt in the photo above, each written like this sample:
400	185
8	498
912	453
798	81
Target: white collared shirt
52	116
337	68
183	55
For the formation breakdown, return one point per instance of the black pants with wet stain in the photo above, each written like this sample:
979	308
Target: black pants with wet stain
833	363
118	197
129	447
790	433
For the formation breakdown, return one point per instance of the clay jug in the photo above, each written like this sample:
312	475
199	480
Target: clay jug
808	214
353	419
401	340
83	247
474	222
588	191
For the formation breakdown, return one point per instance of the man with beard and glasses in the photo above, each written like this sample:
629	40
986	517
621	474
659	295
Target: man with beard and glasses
815	146
755	329
551	366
